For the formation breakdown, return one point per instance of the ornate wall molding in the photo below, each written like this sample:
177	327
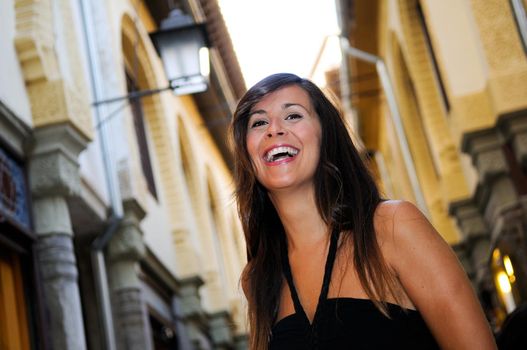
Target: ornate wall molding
52	99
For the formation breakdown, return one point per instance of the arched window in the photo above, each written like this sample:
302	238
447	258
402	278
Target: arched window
140	132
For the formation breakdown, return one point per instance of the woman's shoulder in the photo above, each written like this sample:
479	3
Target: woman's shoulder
401	208
393	218
400	226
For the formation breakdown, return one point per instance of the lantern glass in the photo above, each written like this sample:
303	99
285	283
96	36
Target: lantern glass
184	53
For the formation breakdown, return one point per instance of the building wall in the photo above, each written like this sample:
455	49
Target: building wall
458	72
12	89
173	259
179	226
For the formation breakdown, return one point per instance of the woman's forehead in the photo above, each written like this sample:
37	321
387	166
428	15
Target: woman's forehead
285	97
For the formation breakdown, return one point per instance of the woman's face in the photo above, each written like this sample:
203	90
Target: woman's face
283	139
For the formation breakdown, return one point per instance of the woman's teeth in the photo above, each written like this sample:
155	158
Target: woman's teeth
280	153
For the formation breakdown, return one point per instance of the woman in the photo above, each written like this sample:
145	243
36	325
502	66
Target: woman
331	265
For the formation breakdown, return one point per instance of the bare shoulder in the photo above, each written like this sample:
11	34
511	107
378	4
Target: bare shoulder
398	220
406	237
431	276
398	209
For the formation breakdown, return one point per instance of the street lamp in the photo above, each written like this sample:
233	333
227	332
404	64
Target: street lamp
183	48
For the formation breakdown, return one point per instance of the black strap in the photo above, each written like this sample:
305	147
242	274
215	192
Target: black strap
289	277
330	261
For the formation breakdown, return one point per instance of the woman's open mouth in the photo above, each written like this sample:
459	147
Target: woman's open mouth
280	154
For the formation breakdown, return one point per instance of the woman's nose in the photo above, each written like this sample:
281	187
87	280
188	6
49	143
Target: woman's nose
277	133
275	129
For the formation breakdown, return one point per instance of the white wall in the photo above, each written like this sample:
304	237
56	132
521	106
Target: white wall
12	88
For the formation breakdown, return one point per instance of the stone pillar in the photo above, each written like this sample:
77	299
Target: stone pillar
125	250
54	176
241	342
191	311
221	326
182	330
496	193
474	248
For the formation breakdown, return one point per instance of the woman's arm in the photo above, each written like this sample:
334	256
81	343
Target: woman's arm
434	280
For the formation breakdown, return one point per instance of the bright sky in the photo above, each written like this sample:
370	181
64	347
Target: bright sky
272	36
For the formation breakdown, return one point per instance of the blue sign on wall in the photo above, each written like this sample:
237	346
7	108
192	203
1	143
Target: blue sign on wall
13	194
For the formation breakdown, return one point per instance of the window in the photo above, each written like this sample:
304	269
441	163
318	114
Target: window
163	333
140	131
433	57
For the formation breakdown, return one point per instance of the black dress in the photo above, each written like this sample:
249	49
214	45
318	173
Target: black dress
347	323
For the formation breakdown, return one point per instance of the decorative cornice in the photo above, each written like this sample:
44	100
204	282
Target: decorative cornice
133	208
53	166
479	140
34	40
469	219
52	99
195	281
128	242
59	137
513	123
191	307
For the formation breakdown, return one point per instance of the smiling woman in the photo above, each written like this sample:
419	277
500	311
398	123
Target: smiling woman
332	265
283	139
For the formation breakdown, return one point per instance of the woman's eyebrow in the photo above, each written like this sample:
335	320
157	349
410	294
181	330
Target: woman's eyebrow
287	105
284	106
258	111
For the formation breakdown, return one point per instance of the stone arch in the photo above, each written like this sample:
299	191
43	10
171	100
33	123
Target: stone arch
219	267
138	52
140	65
412	112
219	210
187	157
134	48
436	124
185	208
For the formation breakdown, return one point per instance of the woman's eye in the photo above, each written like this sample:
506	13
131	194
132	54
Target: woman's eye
257	123
293	116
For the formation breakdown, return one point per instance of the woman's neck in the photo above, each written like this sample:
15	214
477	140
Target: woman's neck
302	222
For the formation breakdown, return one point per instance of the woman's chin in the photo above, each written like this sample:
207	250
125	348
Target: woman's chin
281	185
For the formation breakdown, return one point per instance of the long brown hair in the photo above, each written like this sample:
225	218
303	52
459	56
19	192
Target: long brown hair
346	197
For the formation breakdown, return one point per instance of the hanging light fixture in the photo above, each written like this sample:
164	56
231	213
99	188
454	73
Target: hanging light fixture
183	48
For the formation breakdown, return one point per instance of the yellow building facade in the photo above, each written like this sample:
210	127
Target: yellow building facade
458	76
118	229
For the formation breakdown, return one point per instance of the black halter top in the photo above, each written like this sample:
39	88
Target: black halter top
347	323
